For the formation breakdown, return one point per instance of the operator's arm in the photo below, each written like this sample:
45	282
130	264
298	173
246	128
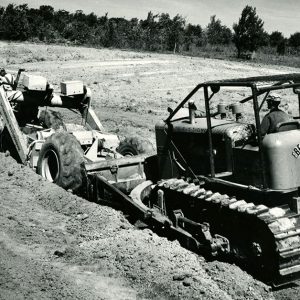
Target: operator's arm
265	125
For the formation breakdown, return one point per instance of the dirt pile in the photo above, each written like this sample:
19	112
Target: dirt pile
56	245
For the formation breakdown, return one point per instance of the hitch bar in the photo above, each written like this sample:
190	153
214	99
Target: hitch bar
107	164
158	222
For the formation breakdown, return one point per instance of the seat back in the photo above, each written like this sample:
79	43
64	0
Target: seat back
286	126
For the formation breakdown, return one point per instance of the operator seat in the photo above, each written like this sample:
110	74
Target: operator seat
286	126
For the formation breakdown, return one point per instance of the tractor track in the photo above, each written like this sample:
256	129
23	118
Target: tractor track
274	230
55	245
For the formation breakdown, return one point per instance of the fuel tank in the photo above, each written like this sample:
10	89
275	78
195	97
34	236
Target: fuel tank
282	159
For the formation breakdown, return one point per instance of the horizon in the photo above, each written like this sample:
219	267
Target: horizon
277	16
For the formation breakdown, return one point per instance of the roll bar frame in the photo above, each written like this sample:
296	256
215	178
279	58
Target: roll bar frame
258	86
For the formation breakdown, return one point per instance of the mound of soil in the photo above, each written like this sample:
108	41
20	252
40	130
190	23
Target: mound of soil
57	245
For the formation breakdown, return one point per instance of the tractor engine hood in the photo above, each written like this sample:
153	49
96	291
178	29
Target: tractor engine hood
232	129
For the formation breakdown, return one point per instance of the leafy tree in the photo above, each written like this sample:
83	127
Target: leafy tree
100	31
14	22
193	35
46	12
249	31
77	32
276	38
2	10
79	16
177	33
264	39
41	23
34	20
135	34
294	40
121	28
164	25
171	31
281	47
156	32
110	37
150	32
91	20
217	33
102	20
60	20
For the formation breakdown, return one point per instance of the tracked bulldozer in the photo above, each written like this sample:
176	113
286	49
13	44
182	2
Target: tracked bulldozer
226	190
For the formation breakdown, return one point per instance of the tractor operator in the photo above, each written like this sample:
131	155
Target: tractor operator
6	79
274	117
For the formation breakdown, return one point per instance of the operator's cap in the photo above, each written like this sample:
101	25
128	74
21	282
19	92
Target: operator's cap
2	70
274	97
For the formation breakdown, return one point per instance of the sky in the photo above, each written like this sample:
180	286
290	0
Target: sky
281	15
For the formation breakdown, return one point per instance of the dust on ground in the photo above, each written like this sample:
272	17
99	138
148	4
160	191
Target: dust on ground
56	245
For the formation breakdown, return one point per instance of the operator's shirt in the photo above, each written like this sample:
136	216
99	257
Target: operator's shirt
7	81
270	120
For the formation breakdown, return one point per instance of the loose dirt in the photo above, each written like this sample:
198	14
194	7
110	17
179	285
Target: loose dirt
55	245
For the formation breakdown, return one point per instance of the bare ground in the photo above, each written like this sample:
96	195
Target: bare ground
55	245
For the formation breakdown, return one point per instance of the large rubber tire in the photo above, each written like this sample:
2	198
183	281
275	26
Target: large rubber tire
61	161
132	146
52	119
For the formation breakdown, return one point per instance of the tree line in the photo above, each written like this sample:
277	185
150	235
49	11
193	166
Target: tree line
158	32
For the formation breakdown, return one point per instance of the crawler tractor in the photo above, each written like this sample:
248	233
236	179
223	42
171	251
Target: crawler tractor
226	190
